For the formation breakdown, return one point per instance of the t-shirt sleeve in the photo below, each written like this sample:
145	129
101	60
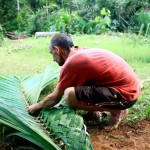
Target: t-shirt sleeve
68	78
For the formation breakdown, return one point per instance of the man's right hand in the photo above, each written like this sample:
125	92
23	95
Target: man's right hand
34	109
49	101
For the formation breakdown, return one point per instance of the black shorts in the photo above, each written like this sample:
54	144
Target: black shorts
102	97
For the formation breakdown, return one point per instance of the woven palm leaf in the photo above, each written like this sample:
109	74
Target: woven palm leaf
68	126
61	122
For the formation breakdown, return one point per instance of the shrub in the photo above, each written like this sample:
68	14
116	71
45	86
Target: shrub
42	19
140	22
23	16
8	13
63	22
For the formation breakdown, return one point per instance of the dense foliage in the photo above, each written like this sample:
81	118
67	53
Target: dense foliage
76	16
54	129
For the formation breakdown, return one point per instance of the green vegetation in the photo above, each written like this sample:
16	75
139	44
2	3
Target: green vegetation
54	129
76	16
29	57
119	26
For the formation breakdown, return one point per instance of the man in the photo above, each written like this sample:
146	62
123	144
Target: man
91	79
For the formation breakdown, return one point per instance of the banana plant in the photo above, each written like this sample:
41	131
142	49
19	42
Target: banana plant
56	128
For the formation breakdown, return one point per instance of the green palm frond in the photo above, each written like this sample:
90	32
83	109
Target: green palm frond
32	87
14	113
60	123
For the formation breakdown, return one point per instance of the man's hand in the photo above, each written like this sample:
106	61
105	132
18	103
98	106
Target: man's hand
49	101
33	109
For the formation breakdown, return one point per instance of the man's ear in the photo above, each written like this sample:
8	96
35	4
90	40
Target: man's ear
57	49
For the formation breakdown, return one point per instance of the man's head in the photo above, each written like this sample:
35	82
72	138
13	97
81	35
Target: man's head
60	46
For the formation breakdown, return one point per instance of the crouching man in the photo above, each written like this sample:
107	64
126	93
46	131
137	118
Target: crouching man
91	79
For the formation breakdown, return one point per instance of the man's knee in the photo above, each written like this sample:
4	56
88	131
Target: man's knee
69	96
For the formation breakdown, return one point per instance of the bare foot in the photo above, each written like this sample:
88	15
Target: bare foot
93	115
115	119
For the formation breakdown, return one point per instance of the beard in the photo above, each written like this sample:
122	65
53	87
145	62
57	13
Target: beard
60	64
60	61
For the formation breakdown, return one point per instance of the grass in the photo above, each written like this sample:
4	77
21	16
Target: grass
131	47
31	56
25	57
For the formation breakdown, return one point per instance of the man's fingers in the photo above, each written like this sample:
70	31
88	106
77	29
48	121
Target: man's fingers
34	109
30	110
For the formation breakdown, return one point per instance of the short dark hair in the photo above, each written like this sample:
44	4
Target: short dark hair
62	40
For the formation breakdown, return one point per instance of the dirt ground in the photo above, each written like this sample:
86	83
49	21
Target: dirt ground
126	137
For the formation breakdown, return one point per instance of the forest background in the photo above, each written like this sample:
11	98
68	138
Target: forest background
75	16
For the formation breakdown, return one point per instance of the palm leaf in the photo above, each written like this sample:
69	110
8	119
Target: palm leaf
32	87
14	113
61	122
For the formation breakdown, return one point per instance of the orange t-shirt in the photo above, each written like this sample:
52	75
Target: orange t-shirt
100	68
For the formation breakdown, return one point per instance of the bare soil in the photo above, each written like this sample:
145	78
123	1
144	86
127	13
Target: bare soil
126	137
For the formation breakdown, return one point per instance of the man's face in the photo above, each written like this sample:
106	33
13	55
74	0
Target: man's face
57	56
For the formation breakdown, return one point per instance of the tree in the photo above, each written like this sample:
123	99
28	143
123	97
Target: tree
8	13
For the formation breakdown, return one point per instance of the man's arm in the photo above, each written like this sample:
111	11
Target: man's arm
49	101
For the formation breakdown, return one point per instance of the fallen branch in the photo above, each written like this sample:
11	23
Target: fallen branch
14	36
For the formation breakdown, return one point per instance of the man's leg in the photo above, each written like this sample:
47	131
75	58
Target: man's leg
116	115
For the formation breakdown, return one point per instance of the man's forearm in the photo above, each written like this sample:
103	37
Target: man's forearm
49	101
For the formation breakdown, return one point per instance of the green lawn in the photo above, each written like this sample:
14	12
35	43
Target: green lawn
31	56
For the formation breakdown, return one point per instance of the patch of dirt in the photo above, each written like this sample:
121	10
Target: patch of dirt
126	137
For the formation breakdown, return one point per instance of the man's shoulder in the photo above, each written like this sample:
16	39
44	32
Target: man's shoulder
76	59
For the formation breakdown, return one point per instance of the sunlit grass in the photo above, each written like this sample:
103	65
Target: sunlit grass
130	47
24	57
31	56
